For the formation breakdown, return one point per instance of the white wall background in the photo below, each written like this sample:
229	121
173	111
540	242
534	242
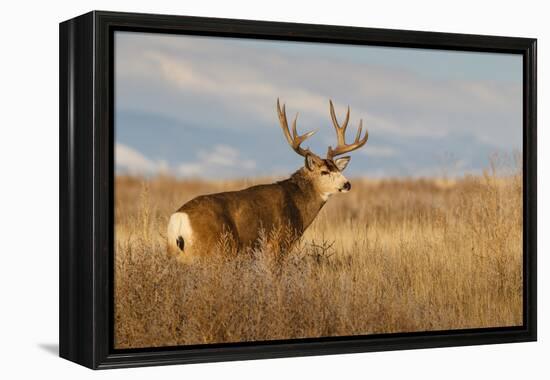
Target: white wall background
29	192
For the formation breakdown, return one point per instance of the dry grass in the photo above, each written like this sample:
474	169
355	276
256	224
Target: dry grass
390	256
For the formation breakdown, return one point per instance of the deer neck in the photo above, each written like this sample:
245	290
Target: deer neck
305	196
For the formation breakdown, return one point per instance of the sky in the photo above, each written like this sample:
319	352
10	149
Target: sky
205	107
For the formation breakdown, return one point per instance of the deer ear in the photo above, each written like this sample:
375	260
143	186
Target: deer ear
311	161
342	162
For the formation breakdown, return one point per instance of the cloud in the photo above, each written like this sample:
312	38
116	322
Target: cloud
190	169
244	89
242	83
220	161
232	84
130	161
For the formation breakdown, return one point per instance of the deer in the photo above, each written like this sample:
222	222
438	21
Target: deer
194	230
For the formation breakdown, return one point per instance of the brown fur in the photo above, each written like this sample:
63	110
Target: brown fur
293	203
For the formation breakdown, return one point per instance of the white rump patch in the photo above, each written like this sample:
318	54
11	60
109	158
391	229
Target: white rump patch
179	225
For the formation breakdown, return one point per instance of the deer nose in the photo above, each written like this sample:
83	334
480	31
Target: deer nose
347	186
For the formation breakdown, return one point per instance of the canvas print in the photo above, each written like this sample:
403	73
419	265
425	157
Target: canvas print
275	190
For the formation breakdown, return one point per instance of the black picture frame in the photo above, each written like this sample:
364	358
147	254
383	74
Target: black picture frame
87	176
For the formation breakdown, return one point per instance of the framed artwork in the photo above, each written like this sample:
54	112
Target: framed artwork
237	189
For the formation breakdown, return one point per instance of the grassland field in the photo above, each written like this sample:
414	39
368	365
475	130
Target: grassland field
392	255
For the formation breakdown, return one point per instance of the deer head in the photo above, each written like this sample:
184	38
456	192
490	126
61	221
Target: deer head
325	174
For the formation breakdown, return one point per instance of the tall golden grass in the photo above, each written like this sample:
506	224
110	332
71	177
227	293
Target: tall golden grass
396	255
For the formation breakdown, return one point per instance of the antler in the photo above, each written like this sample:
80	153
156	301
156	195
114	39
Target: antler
342	147
295	140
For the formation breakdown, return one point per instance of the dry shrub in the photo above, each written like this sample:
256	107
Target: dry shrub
390	256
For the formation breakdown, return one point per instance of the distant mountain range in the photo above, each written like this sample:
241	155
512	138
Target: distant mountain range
193	150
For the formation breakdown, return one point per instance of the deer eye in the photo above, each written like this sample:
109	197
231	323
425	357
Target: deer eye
324	172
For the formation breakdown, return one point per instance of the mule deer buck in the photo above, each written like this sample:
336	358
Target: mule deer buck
197	226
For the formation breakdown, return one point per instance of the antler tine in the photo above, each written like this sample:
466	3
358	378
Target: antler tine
283	122
342	147
295	139
335	121
359	130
